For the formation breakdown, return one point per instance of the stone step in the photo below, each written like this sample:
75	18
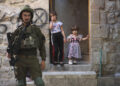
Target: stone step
63	78
70	78
67	67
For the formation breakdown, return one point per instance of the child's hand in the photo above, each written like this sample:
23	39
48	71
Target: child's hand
65	40
51	25
87	36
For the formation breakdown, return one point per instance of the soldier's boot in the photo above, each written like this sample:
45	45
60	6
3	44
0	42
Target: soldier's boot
21	83
39	82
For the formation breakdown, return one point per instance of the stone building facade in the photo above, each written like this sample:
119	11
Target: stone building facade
9	10
103	27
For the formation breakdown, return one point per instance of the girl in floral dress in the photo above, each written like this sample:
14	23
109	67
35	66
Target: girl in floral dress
74	51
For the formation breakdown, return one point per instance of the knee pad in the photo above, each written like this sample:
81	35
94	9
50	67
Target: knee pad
39	82
21	83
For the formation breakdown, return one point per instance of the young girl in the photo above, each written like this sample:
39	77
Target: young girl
58	39
74	51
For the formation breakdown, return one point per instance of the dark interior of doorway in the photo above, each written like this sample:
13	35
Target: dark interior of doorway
73	12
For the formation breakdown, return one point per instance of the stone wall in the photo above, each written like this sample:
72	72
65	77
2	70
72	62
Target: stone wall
104	35
9	10
104	24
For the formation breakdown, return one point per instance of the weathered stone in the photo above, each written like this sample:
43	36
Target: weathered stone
1	38
106	81
3	28
96	57
67	78
96	4
117	16
96	44
95	67
99	30
81	82
118	4
109	69
111	18
116	32
3	50
16	1
95	19
117	81
117	59
33	0
111	58
3	82
2	1
109	46
103	17
118	69
109	6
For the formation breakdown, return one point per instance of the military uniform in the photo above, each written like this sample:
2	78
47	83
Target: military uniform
27	57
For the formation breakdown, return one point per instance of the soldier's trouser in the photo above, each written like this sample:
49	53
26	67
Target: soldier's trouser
29	64
38	82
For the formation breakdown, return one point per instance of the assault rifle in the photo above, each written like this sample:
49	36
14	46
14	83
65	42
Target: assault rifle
14	45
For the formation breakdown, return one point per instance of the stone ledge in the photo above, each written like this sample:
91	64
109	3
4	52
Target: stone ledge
67	67
80	74
70	78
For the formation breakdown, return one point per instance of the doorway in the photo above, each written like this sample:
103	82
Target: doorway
74	12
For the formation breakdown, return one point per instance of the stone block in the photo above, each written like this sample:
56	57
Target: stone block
70	78
95	17
96	44
109	46
2	1
110	5
118	4
111	58
118	69
111	18
117	59
106	81
117	81
100	31
81	82
95	57
16	1
109	69
53	80
3	50
95	67
103	17
33	0
1	38
96	4
3	82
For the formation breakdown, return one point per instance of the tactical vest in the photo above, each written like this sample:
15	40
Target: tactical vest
30	39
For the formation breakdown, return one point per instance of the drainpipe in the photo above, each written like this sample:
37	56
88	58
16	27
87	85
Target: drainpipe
100	66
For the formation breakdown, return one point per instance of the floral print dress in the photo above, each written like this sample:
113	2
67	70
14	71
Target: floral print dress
74	50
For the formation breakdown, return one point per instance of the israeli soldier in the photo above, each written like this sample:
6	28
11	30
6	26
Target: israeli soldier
27	61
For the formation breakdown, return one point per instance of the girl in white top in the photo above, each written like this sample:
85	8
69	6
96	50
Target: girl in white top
58	39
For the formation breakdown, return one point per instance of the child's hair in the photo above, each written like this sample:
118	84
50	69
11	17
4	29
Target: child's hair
75	28
53	13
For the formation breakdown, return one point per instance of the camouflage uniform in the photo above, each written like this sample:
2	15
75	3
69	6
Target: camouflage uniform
27	56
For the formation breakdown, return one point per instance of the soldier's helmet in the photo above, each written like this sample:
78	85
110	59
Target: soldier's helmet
26	9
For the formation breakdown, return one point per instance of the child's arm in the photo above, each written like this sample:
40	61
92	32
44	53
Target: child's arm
69	38
51	25
63	33
85	38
